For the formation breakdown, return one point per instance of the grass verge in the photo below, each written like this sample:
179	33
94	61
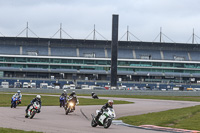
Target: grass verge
5	100
9	130
178	98
184	118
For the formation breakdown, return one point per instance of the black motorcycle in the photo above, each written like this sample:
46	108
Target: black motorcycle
94	96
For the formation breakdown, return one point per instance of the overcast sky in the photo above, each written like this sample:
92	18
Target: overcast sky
144	18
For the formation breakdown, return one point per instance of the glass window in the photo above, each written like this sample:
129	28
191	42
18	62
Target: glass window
10	59
101	62
178	65
89	62
1	58
21	59
78	61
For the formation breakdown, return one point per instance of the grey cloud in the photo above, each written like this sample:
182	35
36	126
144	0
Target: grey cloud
144	17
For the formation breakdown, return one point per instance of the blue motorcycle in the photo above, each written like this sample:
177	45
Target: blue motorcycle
62	101
14	102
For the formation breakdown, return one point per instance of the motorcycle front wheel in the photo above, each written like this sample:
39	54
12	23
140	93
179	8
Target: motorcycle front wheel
107	123
67	111
32	114
93	123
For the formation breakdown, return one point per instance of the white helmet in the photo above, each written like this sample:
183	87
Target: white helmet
18	91
65	90
38	96
110	102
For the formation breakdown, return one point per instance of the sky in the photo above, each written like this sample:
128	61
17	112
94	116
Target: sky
144	19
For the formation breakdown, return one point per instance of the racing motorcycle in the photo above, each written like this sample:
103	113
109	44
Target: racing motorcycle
15	102
33	109
105	119
95	96
70	106
62	101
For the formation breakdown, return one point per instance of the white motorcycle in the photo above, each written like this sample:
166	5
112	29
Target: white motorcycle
105	119
33	109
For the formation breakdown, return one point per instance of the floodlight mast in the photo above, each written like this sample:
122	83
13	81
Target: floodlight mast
114	49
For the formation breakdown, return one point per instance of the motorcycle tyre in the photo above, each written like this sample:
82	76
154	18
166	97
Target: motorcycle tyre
67	111
93	123
107	123
32	115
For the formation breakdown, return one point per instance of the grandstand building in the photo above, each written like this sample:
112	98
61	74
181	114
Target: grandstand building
73	59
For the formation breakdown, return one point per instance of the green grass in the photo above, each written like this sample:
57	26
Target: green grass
184	118
8	130
5	100
179	98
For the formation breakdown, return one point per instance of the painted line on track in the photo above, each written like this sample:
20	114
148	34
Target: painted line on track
155	128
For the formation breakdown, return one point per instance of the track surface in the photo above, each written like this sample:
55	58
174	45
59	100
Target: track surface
52	119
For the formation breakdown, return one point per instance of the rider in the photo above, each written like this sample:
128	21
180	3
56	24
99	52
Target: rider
18	96
109	104
14	96
73	98
72	94
94	95
38	98
64	94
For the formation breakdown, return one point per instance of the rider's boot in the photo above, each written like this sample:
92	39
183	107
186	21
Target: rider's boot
26	115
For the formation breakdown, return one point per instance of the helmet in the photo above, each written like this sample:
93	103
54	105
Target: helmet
65	91
110	102
38	97
73	91
18	91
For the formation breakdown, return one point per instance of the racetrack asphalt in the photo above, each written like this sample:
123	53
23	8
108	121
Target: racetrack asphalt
52	119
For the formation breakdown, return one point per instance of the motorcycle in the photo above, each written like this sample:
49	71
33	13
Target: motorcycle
95	96
105	119
15	102
33	109
70	106
62	101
